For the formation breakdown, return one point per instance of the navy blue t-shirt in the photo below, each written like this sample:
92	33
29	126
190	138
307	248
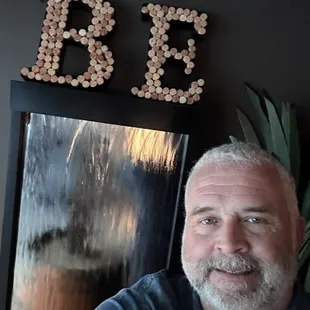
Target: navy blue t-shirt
163	291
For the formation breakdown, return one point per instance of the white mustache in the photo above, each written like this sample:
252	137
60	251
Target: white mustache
235	263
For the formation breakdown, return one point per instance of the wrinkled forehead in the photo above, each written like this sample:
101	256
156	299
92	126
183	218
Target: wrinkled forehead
231	179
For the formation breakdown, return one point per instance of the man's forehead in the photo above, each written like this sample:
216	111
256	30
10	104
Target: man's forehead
234	170
261	183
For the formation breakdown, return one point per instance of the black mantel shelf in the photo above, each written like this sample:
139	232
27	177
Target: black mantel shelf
106	106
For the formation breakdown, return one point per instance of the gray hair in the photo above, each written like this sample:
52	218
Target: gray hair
247	155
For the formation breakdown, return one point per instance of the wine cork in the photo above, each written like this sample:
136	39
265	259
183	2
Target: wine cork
155	76
98	67
194	13
192	55
186	59
145	10
190	19
25	71
154	96
196	97
194	85
46	77
173	91
197	20
31	75
161	97
68	78
56	51
84	41
91	48
157	83
85	84
192	91
204	16
161	71
191	42
75	83
144	87
159	90
43	71
140	93
190	101
157	65
165	37
100	81
201	82
47	65
180	92
178	56
66	34
199	90
38	77
93	83
81	79
44	36
166	90
171	10
109	69
160	53
202	31
134	90
87	76
185	53
147	95
51	72
107	75
190	65
168	98
35	69
186	94
173	51
149	82
54	79
175	16
182	100
175	99
61	79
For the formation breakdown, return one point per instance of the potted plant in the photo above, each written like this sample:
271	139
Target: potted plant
279	135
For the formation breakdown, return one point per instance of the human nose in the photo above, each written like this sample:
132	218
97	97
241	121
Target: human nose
231	238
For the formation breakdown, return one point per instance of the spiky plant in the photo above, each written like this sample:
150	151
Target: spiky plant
279	136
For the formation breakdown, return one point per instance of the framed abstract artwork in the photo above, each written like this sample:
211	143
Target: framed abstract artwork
94	192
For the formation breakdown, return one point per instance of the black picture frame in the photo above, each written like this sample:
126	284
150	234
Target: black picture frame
106	107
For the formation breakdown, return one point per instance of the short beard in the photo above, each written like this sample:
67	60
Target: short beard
275	281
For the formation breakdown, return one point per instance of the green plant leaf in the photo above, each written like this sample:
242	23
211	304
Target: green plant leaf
277	134
233	139
305	206
286	120
305	248
307	281
247	128
294	147
263	121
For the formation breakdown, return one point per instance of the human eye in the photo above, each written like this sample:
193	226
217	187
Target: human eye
208	221
255	220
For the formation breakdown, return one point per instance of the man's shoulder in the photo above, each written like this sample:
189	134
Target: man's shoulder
160	290
301	299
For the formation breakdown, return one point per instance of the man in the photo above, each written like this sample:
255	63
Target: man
240	244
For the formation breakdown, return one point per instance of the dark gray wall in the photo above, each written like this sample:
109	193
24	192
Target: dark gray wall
265	43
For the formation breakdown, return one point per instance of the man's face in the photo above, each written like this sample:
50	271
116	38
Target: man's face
240	246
